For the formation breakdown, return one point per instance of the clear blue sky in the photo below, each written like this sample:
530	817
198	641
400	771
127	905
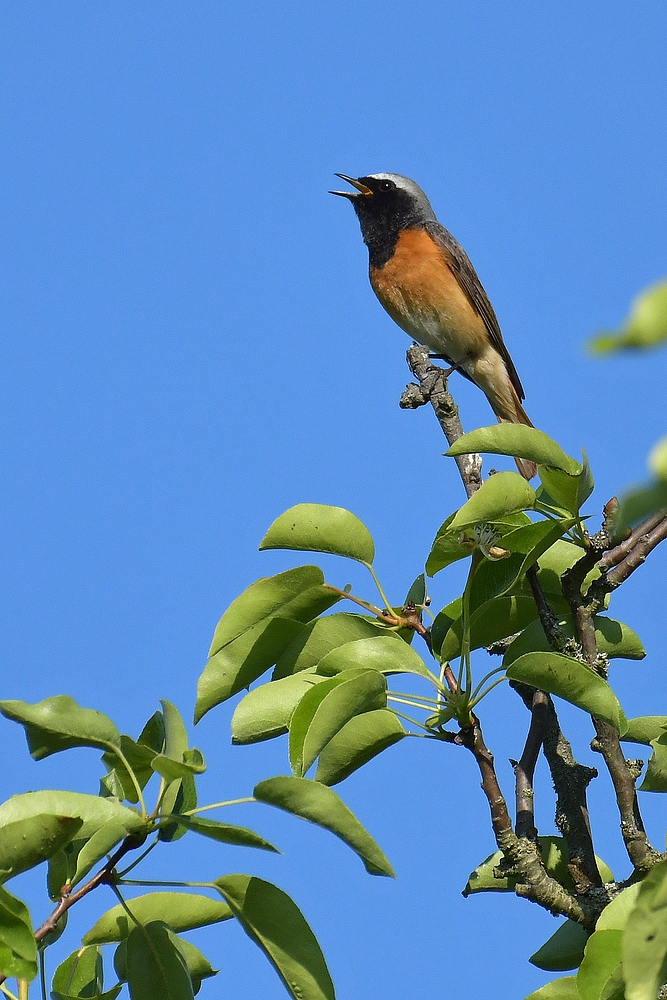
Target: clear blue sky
191	346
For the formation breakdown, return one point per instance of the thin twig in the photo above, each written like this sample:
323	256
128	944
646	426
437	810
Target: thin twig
614	555
433	389
637	555
525	768
571	779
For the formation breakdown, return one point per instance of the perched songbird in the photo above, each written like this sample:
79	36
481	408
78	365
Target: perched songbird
426	282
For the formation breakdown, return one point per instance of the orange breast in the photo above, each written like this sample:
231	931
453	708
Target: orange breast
421	293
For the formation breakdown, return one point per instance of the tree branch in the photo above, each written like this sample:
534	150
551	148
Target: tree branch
68	899
522	854
524	769
607	742
433	388
644	545
571	780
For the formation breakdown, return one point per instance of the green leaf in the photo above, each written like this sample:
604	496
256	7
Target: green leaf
613	638
105	823
18	949
516	440
182	911
315	527
175	733
645	937
58	723
139	757
111	787
181	793
645	326
614	988
192	763
185	801
199	966
645	729
559	989
225	834
81	974
28	842
321	805
360	739
155	964
601	958
572	680
321	636
488	877
417	592
655	779
495	620
657	460
569	490
502	494
265	712
152	735
275	923
243	660
107	995
564	950
324	710
446	548
615	915
385	653
298	594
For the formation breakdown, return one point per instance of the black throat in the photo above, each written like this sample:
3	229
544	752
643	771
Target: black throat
382	224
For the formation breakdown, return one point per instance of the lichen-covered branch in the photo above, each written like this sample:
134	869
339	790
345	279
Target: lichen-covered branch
642	855
571	779
433	389
521	854
607	741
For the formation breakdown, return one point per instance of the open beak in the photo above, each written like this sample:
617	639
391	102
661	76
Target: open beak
361	188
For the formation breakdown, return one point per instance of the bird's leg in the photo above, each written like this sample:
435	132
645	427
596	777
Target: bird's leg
454	367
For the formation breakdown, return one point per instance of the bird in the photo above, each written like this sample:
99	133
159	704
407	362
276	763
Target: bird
426	282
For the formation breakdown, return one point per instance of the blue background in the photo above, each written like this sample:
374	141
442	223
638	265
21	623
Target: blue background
191	346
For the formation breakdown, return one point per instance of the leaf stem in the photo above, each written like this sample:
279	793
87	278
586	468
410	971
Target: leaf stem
116	891
407	701
408	719
8	992
140	858
182	885
419	697
379	587
133	778
219	805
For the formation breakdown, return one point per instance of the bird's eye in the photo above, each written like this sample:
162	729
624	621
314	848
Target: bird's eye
387	185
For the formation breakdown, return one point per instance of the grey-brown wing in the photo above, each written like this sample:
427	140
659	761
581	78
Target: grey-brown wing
466	275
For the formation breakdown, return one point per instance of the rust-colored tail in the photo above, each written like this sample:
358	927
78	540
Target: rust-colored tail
527	468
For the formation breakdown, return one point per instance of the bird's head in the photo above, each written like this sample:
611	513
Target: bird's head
387	201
